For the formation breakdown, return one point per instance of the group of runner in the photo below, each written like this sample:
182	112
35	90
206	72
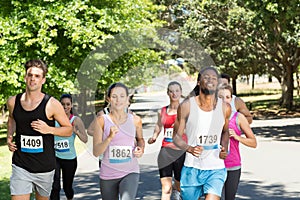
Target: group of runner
200	145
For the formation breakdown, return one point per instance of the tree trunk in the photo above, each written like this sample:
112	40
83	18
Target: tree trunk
298	83
234	84
287	87
253	76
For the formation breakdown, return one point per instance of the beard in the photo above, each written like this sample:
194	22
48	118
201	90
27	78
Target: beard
207	91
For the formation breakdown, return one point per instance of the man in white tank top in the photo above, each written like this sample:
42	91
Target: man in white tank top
204	118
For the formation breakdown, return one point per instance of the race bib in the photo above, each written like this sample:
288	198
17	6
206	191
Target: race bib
32	144
208	142
168	134
62	145
120	154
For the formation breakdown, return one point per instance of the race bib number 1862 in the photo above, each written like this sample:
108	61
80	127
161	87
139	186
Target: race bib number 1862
120	154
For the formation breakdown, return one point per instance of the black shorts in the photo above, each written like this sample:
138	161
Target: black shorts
170	161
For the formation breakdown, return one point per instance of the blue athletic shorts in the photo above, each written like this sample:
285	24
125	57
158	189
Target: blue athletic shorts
195	183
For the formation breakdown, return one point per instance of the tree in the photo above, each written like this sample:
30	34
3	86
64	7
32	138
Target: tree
249	37
221	29
277	39
63	33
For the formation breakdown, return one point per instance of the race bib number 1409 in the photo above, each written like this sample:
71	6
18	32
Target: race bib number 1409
31	144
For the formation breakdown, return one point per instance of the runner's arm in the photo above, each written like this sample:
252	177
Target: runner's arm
250	139
79	129
100	146
179	125
139	150
157	129
242	108
183	112
225	130
54	110
11	124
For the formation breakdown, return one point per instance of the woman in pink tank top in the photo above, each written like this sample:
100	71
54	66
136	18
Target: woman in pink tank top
238	124
118	136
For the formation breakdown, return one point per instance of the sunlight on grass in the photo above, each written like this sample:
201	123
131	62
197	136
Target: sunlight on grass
5	168
6	159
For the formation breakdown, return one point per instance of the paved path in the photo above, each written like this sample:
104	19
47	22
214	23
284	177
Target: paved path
269	172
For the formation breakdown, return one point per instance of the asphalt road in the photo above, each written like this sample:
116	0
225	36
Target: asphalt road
269	172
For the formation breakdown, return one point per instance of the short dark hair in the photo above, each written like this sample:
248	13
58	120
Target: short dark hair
37	63
224	75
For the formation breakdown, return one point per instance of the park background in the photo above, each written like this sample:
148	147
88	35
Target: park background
249	40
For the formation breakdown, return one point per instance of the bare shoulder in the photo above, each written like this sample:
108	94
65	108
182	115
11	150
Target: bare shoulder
77	119
136	118
159	111
100	119
185	103
11	104
242	118
226	109
239	101
184	108
54	108
11	101
53	102
100	113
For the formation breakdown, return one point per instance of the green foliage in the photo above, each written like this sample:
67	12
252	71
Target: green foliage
62	33
247	37
4	188
5	167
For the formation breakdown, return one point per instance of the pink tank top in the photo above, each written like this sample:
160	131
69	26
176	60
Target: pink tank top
234	157
118	159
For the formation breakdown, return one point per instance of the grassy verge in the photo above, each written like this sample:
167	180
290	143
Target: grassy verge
5	163
5	166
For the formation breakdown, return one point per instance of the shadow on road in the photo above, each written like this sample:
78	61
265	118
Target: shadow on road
258	191
279	133
87	187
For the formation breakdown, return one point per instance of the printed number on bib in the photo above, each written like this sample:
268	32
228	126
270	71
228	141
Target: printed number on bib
32	144
62	145
168	134
120	154
208	142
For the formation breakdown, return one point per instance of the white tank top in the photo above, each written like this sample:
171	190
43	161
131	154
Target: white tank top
205	129
232	104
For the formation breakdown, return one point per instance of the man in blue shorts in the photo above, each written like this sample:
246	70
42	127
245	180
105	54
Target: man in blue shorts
31	117
204	118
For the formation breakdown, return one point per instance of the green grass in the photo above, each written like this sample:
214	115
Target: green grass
259	92
267	103
5	166
5	163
